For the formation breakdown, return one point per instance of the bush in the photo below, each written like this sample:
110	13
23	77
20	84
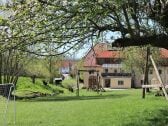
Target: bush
69	83
84	87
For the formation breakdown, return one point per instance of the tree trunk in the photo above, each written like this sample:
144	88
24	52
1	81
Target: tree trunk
51	80
15	80
146	78
0	68
33	79
50	70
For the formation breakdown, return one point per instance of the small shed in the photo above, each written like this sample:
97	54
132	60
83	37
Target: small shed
57	81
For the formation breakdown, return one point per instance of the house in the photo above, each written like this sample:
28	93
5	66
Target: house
162	69
108	64
66	66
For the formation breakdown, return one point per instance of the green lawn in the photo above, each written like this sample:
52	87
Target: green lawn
115	108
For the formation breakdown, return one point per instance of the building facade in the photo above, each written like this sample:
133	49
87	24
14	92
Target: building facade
108	64
162	69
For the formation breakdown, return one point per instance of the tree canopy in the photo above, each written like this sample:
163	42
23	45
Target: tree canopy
54	27
34	25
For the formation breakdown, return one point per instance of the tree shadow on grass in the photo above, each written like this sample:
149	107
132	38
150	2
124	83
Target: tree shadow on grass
158	118
70	98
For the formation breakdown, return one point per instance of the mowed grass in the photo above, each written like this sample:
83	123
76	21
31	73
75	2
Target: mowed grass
115	108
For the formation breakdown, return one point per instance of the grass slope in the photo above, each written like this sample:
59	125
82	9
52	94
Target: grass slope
25	88
116	108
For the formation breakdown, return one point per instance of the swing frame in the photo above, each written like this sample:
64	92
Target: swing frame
161	85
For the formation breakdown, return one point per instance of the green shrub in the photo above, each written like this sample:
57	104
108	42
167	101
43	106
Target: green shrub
84	87
67	83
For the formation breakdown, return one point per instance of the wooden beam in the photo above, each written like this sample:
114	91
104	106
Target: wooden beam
152	86
88	70
159	78
143	92
77	91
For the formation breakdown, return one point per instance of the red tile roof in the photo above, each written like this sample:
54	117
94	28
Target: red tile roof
66	63
90	57
118	54
91	60
164	53
109	54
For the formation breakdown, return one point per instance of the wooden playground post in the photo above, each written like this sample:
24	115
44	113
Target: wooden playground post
143	92
146	72
77	91
98	85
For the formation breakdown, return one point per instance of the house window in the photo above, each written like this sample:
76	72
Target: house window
115	70
150	71
160	71
99	61
122	71
91	72
142	82
107	61
150	81
107	83
120	82
106	70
